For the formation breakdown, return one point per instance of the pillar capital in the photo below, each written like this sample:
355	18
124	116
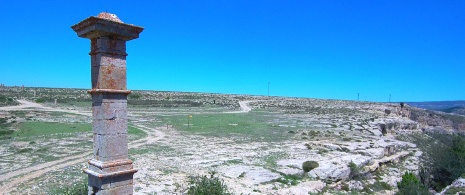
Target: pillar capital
106	25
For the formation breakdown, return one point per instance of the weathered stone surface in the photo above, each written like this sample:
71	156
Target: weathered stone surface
113	182
110	110
304	188
251	174
116	126
110	146
93	27
111	60
122	190
330	171
111	77
110	167
98	98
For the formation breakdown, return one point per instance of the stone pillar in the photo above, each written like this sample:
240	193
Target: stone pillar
110	171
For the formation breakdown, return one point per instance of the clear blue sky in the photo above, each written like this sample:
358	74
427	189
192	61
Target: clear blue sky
414	50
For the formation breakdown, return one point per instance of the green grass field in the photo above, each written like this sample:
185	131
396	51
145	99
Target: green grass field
29	129
48	128
252	125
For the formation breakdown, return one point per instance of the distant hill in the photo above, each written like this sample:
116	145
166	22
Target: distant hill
456	107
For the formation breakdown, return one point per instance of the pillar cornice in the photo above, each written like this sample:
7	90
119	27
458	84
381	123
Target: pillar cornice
97	91
93	27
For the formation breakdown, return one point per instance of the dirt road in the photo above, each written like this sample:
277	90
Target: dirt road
244	107
27	105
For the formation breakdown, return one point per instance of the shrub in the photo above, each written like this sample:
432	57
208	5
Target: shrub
40	100
354	171
383	128
309	165
387	111
79	188
202	185
410	185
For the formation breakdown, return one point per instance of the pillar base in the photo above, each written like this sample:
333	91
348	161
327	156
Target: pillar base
113	177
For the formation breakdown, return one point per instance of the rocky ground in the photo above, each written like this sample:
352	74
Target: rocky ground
257	145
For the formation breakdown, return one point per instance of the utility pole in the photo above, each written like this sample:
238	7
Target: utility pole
389	98
268	89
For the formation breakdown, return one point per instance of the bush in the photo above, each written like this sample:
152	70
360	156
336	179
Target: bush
410	185
383	128
40	100
354	171
203	185
309	165
387	111
79	188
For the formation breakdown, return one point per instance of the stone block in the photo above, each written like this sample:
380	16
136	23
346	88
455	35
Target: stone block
122	190
111	169
110	147
111	158
111	77
121	180
98	183
99	98
105	127
109	110
105	44
111	60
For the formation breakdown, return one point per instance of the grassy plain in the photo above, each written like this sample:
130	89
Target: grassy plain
253	126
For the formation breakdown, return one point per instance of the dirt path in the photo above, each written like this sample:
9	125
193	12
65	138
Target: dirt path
24	104
29	173
38	170
244	107
27	105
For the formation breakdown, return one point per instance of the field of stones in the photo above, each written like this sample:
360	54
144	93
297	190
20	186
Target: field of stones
255	144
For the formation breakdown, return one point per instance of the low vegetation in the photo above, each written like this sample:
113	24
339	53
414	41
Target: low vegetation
202	185
443	159
354	171
7	101
309	165
411	185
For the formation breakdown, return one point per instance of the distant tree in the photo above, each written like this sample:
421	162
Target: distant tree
402	105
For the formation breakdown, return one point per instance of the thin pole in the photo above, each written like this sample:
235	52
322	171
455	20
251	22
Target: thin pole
268	89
